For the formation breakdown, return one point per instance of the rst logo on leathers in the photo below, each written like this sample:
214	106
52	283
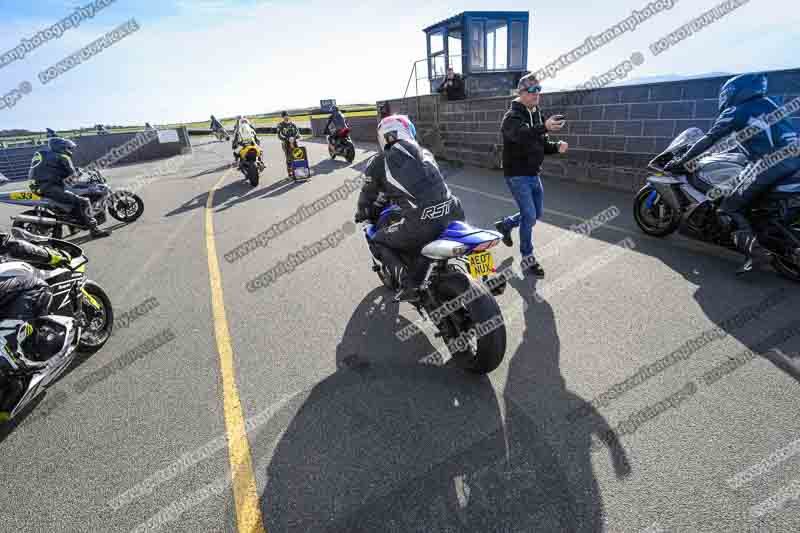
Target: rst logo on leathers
436	211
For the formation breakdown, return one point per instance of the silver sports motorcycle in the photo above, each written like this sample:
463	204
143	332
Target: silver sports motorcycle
48	217
688	201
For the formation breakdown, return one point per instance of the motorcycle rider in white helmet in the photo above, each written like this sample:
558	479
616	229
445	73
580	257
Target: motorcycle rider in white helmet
406	175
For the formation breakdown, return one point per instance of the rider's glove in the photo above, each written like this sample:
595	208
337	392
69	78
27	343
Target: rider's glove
59	258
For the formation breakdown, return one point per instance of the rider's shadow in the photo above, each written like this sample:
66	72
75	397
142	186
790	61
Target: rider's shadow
550	456
386	444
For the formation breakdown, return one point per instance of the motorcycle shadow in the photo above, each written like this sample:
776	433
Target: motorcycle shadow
762	299
234	189
328	166
86	237
206	172
385	444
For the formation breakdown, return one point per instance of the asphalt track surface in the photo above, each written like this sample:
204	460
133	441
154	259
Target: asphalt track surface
348	432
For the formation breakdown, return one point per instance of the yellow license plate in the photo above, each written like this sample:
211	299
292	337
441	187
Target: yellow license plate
481	264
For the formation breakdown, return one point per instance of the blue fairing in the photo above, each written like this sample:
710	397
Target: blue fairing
456	231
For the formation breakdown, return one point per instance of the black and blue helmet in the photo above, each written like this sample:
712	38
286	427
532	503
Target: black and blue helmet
742	88
60	145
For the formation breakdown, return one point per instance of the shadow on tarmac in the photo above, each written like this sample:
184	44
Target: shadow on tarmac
386	444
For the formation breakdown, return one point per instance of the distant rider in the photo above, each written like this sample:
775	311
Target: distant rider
286	131
406	175
50	168
743	102
243	134
215	124
339	123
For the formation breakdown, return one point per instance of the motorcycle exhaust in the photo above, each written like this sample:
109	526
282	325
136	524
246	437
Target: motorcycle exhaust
37	220
45	221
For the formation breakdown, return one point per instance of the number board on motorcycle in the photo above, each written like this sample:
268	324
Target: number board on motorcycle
24	196
481	264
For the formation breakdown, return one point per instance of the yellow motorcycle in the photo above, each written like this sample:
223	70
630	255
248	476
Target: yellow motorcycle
251	163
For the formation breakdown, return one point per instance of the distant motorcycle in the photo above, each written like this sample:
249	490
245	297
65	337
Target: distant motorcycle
342	145
297	160
462	262
688	202
80	320
250	162
222	134
48	216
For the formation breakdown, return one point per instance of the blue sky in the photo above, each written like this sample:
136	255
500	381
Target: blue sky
192	58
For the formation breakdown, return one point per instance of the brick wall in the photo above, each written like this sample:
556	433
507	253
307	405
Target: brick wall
363	128
15	162
613	132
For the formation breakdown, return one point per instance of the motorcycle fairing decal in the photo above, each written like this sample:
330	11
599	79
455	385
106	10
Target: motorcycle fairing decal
22	195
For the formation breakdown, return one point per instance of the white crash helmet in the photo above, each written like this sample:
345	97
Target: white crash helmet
397	128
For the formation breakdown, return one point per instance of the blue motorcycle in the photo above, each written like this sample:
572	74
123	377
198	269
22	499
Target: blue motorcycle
458	294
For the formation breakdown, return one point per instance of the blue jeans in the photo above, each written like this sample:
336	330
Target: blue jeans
529	194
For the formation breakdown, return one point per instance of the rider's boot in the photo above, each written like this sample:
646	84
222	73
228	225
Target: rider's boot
411	291
745	241
92	222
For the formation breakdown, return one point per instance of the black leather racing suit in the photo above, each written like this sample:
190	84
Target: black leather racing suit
24	296
48	172
407	175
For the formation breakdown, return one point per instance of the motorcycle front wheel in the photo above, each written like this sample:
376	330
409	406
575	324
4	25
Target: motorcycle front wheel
351	153
100	319
657	220
126	206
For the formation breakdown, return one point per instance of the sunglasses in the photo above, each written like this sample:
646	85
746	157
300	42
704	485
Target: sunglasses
534	89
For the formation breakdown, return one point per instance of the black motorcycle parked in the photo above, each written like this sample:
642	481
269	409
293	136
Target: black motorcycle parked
688	202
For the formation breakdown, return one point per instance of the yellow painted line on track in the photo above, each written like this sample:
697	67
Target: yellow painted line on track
245	493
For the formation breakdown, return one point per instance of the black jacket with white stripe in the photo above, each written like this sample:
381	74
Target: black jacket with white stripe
406	175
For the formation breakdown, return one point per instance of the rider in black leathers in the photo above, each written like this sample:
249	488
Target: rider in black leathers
23	296
26	296
743	102
287	130
406	175
48	171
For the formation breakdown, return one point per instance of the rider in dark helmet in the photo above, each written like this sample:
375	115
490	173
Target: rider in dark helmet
339	123
49	169
406	175
743	103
